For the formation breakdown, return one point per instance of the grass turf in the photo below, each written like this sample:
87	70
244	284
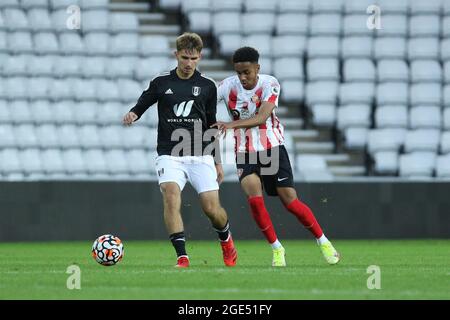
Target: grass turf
410	269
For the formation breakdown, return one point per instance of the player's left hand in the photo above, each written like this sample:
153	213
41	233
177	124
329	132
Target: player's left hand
220	174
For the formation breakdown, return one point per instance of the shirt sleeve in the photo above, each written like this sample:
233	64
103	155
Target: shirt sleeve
271	91
221	91
147	99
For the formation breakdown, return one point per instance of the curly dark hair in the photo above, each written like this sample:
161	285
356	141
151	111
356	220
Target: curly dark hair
246	54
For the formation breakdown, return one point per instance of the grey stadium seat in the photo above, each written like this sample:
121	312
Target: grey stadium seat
393	26
290	45
394	116
445	142
388	139
390	48
425	7
417	164
353	115
425	26
392	70
321	92
443	166
426	94
422	140
292	23
323	69
426	71
392	93
425	117
359	70
288	68
39	20
356	47
258	23
325	25
260	5
423	48
359	92
355	137
446	117
323	46
386	162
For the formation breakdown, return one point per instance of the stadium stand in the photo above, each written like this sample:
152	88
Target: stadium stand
355	101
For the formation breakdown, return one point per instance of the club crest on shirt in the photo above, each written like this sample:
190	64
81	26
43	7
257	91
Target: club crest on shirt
196	91
255	99
239	172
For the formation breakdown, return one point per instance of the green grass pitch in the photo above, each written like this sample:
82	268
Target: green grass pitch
410	269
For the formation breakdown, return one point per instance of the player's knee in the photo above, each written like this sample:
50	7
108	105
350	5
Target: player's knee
211	208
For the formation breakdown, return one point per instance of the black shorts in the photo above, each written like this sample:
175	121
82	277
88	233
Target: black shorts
272	166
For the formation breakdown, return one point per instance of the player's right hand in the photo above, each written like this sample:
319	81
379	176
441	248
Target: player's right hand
129	118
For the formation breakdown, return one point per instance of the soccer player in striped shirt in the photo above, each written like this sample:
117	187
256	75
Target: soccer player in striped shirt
261	158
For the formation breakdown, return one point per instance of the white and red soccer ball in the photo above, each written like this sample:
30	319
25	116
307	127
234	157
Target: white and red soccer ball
107	250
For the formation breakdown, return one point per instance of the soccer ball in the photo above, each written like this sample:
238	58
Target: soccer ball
107	250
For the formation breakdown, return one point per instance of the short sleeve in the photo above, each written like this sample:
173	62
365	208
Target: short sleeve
271	91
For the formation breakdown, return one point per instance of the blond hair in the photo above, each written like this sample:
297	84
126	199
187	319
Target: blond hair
189	41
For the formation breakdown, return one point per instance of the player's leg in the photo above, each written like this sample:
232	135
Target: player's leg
251	184
202	175
288	196
210	203
171	181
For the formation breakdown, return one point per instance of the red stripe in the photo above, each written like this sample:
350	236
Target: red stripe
273	127
258	93
263	137
232	101
273	98
278	127
249	141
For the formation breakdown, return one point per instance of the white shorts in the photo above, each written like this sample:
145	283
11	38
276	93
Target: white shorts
200	171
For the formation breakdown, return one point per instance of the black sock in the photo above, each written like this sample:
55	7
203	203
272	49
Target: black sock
178	242
223	232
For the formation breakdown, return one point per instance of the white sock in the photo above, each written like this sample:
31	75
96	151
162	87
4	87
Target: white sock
322	239
276	244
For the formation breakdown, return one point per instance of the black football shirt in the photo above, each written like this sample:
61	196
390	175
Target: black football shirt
186	109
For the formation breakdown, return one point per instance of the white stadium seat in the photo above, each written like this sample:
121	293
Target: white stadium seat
425	7
443	166
288	68
426	94
356	25
95	21
417	164
422	140
424	26
15	20
359	70
395	7
74	161
258	23
46	43
390	48
388	139
123	22
358	92
289	45
48	136
230	5
392	93
426	71
321	92
356	47
323	69
353	115
30	160
423	48
446	119
394	116
445	142
293	90
290	6
393	25
386	162
260	5
68	136
425	117
356	6
324	114
392	70
323	46
325	25
292	23
39	20
89	136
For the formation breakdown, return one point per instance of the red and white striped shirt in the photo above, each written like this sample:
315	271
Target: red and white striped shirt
244	104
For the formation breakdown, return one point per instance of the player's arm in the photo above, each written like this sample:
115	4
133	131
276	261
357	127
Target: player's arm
261	117
211	119
147	98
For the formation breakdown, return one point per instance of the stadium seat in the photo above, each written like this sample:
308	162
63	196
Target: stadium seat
390	48
324	6
393	26
226	22
10	161
312	167
426	71
325	25
445	142
52	161
391	116
97	21
446	94
417	164
63	111
94	4
392	93
85	112
41	112
356	25
141	160
230	5
360	92
107	86
443	166
71	43
111	136
228	43
32	4
355	137
425	7
19	42
153	45
9	4
261	41
74	161
68	136
388	139
425	26
62	4
38	88
93	67
322	69
423	48
111	112
67	66
353	115
321	92
61	90
188	6
323	47
7	137
130	90
96	160
170	4
323	114
446	119
293	90
447	72
16	65
288	68
97	43
40	65
293	6
116	161
392	70
26	136
394	7
146	69
15	20
356	6
422	140
292	23
123	22
48	136
124	44
358	70
425	117
59	19
290	45
446	26
426	94
258	23
386	162
20	110
356	47
89	136
46	43
30	160
5	115
39	20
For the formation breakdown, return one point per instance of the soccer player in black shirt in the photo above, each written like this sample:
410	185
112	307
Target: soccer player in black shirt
186	109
